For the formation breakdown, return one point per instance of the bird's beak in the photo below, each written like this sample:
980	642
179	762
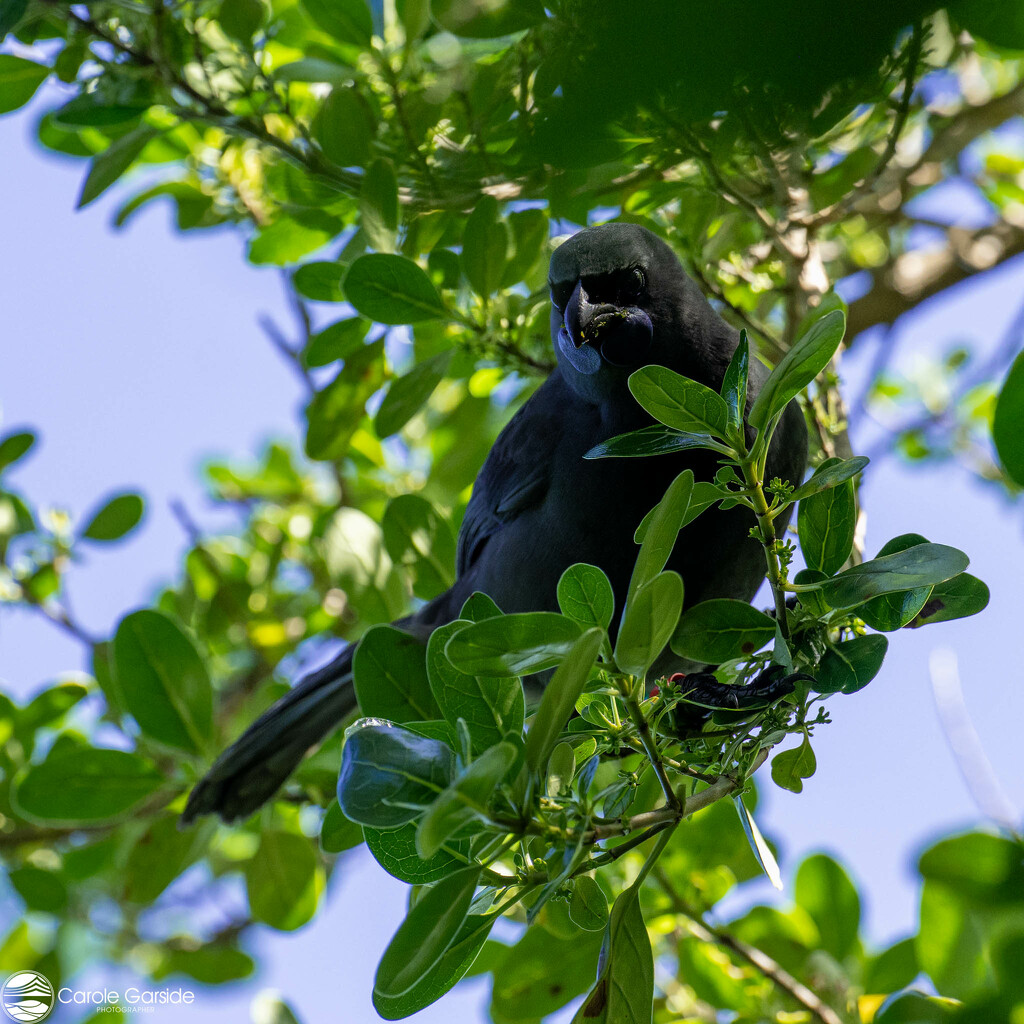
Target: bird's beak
579	313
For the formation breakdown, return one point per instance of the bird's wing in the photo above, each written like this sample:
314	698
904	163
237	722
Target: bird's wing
516	475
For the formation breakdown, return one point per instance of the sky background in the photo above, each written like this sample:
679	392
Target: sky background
136	354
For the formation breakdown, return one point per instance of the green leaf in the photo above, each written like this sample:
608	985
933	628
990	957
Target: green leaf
241	19
561	768
721	629
588	908
409	393
15	446
163	681
116	518
284	880
420	539
920	566
349	21
288	239
484	247
41	890
761	849
703	496
734	384
425	934
831	474
313	69
851	665
392	290
467	796
212	964
378	205
11	12
478	21
492	708
893	968
654	440
478	607
541	973
336	411
512	645
891	611
982	869
648	623
666	520
957	598
826	521
585	596
108	166
559	699
679	402
158	856
390	673
337	341
809	355
916	1008
338	833
1006	421
389	774
395	851
85	786
624	993
530	230
455	962
19	79
321	282
825	891
791	767
345	126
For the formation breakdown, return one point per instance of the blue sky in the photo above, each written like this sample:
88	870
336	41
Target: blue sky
137	355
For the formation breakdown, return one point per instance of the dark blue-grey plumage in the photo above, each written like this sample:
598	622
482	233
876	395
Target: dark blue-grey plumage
620	300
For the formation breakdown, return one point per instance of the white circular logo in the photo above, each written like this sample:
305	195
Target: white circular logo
26	996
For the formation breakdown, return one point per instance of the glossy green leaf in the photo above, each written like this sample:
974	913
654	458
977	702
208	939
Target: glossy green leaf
892	969
19	79
702	497
114	161
468	795
425	934
734	384
408	394
116	518
390	673
349	21
14	446
660	536
336	341
11	12
679	402
378	205
919	566
588	908
395	851
826	521
851	665
159	856
163	681
624	993
321	282
831	474
512	645
585	596
284	880
345	126
980	868
649	623
338	833
491	707
825	891
479	21
559	700
241	18
530	230
41	890
721	629
392	290
485	247
809	355
791	767
891	611
917	1008
1007	420
478	607
957	598
761	850
288	239
654	440
389	774
420	539
85	786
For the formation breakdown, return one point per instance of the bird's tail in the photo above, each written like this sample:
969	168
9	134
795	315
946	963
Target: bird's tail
254	767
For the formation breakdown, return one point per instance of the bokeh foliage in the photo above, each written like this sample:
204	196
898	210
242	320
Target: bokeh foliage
408	166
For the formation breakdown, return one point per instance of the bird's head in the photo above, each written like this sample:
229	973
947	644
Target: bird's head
617	303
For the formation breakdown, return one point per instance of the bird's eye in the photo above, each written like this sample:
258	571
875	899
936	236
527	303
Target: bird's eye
636	282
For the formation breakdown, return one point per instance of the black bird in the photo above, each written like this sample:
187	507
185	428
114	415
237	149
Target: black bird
619	300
